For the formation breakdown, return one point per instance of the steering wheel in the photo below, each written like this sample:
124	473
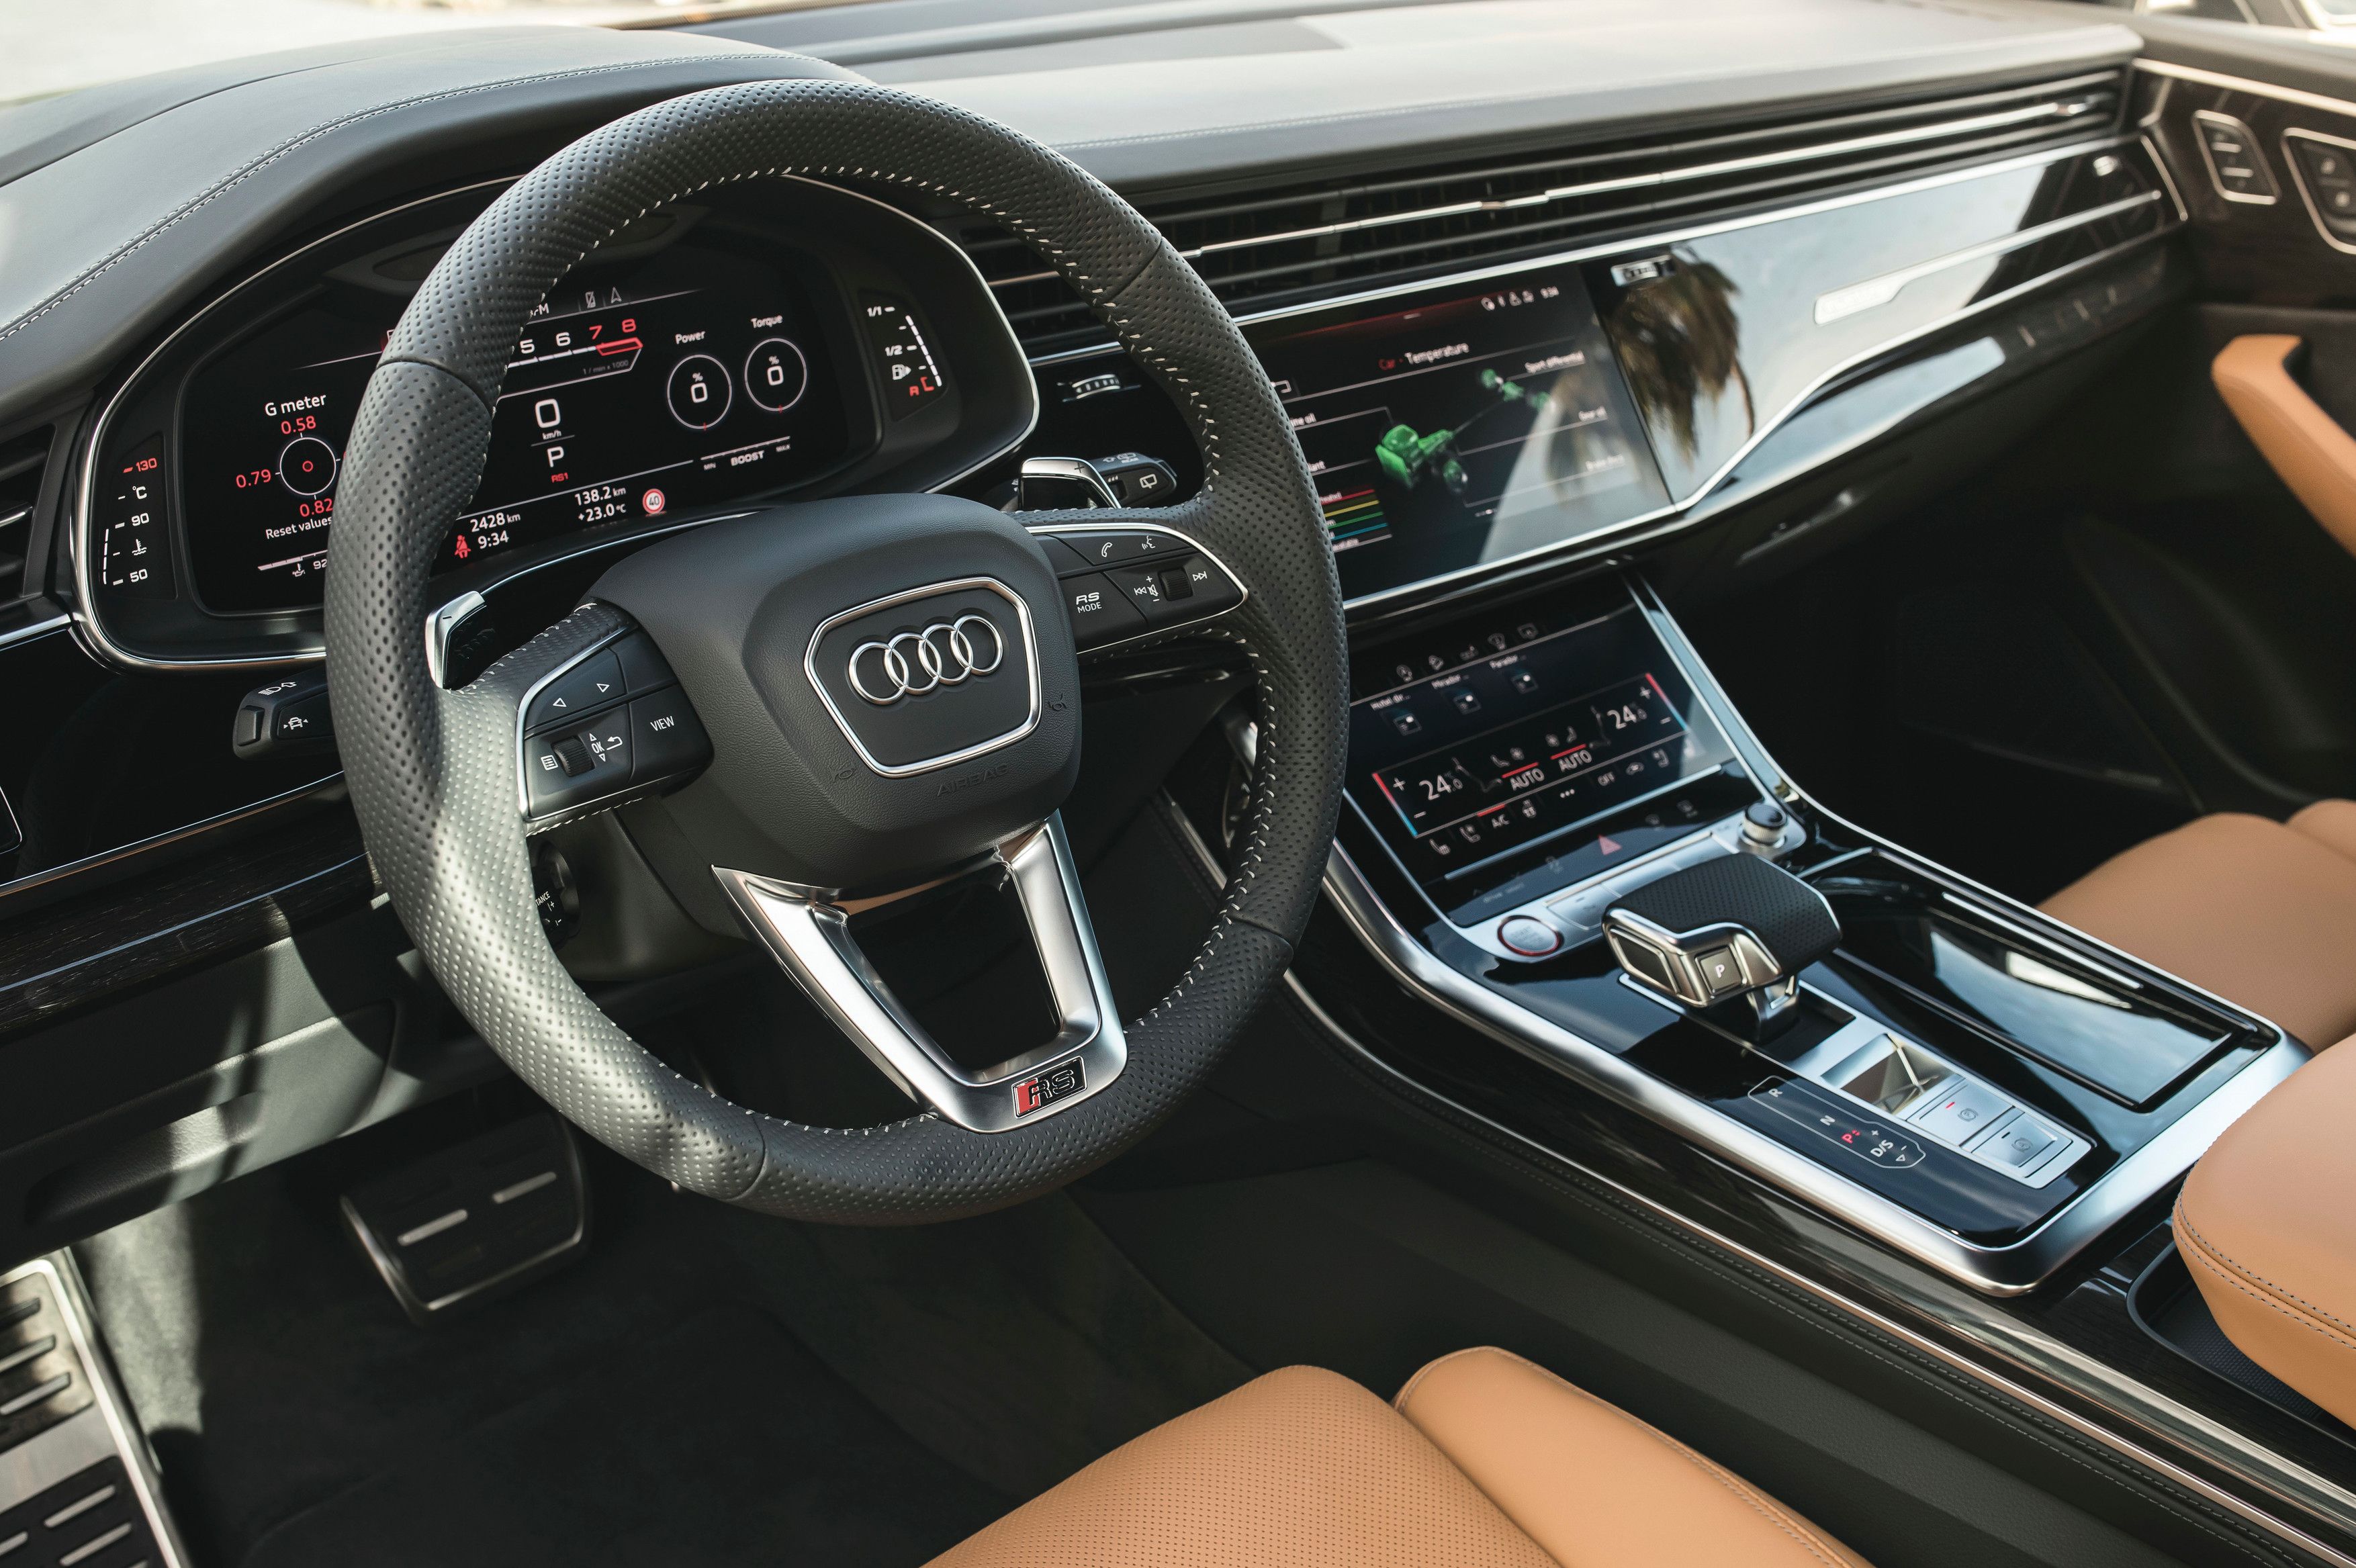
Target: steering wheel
885	688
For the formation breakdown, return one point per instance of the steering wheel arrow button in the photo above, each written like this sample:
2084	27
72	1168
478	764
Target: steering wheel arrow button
595	682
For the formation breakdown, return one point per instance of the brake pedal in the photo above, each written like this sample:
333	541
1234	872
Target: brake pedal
78	1486
476	1221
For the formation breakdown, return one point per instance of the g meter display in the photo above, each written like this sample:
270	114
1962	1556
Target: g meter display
698	376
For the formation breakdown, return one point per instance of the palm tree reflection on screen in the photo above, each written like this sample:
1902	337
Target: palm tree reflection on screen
1679	341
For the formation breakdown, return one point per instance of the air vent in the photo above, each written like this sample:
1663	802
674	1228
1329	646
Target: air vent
1276	246
21	462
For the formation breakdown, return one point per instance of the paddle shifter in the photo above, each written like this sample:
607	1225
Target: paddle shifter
1738	926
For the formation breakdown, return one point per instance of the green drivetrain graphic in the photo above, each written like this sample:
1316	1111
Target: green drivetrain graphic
1408	457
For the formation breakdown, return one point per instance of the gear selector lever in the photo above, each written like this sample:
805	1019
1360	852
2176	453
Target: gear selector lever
1735	926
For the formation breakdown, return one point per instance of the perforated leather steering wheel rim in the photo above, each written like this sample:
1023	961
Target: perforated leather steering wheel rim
433	774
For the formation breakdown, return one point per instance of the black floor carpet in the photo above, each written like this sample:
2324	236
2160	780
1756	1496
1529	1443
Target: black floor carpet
720	1442
707	1387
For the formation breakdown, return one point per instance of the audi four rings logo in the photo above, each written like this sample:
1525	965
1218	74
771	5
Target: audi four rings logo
945	652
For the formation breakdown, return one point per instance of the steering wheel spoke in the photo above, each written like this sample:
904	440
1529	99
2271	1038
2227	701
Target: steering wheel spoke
808	930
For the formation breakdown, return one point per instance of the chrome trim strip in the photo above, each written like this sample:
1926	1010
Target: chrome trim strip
808	933
964	753
2299	178
2055	110
1872	293
2244	84
78	518
38	628
50	874
1989	1333
2167	176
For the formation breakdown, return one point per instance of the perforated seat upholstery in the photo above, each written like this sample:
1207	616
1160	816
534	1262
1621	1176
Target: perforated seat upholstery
1485	1461
2262	913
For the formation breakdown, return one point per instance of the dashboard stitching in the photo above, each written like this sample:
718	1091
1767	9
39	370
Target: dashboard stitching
327	128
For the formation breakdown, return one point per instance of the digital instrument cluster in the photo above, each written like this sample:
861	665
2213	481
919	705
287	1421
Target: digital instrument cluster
696	377
1455	426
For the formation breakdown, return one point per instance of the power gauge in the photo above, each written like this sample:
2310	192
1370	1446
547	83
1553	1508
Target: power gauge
912	377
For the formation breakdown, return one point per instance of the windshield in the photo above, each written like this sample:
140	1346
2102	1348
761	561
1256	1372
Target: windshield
50	47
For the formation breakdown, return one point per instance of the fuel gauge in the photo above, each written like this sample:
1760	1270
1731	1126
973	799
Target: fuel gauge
912	378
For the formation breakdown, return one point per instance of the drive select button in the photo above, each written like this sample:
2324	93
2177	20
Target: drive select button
1100	611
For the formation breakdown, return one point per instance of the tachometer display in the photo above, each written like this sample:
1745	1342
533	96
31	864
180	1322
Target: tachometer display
696	377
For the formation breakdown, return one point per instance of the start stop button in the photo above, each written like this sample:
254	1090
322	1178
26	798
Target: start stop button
1531	937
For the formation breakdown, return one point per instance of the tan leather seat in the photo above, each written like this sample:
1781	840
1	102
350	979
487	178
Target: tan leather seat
2266	1229
1485	1461
2262	913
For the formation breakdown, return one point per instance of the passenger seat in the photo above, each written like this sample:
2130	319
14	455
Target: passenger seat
1484	1461
2262	913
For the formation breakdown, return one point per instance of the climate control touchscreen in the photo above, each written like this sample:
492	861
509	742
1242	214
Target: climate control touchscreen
1538	749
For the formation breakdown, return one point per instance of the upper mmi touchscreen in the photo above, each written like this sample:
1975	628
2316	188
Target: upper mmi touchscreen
1460	424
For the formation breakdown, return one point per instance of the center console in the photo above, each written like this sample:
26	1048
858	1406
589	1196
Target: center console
1549	804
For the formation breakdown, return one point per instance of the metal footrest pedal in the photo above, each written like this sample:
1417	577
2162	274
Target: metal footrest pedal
470	1223
78	1486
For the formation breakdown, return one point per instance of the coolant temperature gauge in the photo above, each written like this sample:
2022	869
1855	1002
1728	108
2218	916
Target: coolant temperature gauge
912	379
